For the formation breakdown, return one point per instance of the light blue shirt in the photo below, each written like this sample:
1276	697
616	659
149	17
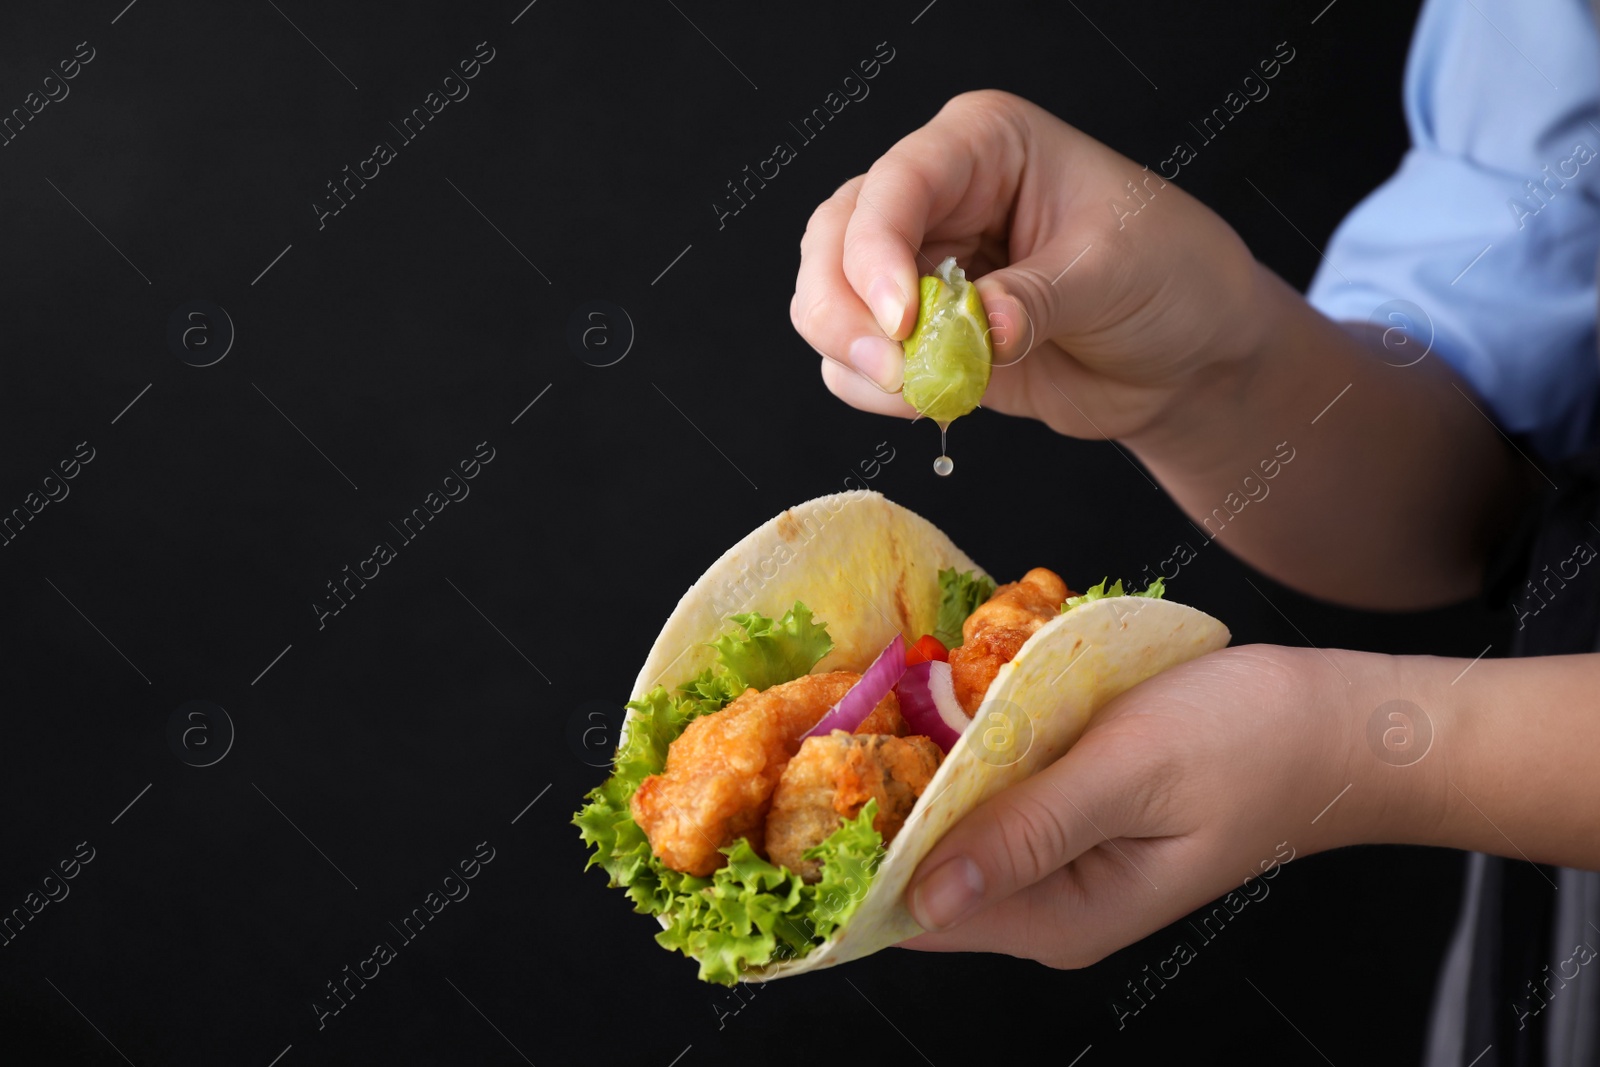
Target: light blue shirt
1491	225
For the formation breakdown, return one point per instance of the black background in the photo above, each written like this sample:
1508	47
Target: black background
426	716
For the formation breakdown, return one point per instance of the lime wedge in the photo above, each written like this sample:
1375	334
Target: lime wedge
948	354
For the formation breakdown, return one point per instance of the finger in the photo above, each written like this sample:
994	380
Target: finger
1033	299
913	188
827	312
1078	914
895	207
958	176
855	389
1022	835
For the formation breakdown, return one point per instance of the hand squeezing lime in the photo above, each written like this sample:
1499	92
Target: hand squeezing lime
948	353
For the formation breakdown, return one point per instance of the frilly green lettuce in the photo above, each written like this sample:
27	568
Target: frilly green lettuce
1156	589
750	912
960	593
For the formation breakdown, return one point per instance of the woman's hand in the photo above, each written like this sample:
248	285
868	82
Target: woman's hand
1208	774
1104	283
1122	307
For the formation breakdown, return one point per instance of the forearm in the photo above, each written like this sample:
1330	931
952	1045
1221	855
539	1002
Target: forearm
1397	485
1509	770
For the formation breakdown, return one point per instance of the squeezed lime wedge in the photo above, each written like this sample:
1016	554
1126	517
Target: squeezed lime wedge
948	354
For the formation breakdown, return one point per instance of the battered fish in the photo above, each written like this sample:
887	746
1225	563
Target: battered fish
832	778
721	772
999	627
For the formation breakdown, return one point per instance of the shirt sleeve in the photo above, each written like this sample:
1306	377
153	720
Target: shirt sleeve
1491	225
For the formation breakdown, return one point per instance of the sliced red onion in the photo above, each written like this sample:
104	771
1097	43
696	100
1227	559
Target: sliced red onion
928	703
857	704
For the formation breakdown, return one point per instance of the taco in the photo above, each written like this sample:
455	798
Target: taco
799	737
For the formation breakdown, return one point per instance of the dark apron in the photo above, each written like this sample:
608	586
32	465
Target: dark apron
1521	981
1505	998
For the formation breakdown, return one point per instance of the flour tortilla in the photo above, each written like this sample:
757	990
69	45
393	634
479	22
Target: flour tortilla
869	569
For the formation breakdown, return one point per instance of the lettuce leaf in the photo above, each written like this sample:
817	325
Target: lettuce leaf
960	593
605	823
754	912
749	912
768	654
1156	589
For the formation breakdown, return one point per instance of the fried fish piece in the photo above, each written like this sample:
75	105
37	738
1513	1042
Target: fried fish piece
832	778
722	769
999	627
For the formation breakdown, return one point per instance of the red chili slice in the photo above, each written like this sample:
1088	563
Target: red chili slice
927	649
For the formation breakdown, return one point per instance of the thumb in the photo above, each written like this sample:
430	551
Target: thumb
1017	838
1031	301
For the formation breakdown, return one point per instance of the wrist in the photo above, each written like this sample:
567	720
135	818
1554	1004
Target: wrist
1402	738
1344	798
1491	755
1328	787
1374	766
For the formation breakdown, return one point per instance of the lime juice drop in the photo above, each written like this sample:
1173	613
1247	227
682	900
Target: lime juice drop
944	464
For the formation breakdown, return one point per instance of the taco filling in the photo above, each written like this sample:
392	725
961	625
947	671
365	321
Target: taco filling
998	628
722	771
750	808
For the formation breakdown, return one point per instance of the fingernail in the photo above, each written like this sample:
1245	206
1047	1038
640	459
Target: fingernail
880	359
947	895
888	304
